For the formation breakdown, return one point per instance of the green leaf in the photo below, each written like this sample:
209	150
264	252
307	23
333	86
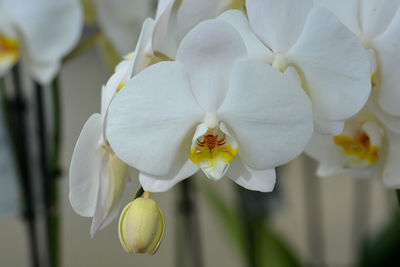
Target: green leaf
229	217
270	251
384	249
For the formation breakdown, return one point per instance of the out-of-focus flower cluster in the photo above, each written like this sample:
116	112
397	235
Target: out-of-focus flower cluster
40	33
236	88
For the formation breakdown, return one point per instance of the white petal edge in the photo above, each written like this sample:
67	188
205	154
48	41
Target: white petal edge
347	11
278	23
153	183
249	178
388	55
84	174
121	21
255	48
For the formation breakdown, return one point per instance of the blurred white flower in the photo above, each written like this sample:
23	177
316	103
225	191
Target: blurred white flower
377	24
365	149
210	109
97	175
40	32
161	37
121	21
330	59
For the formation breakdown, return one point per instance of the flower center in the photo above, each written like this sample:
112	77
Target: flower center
360	147
8	48
279	62
157	57
213	152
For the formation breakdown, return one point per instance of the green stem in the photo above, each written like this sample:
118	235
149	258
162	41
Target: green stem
139	193
54	217
398	197
19	133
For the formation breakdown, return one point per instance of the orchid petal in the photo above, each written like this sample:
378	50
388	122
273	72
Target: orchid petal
323	149
249	178
255	48
162	5
345	10
154	183
192	12
334	64
390	121
85	168
387	46
376	15
113	178
328	127
42	71
140	56
152	120
278	23
121	21
160	30
209	52
269	114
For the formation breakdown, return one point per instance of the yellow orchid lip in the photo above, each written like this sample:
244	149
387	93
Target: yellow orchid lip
359	147
213	153
9	48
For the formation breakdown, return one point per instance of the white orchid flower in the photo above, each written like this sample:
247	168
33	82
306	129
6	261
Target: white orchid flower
330	59
174	19
121	21
210	109
97	175
377	24
365	149
40	32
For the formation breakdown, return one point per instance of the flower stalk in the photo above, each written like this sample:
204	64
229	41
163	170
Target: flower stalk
19	137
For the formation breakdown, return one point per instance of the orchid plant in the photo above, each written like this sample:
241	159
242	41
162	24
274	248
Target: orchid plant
236	89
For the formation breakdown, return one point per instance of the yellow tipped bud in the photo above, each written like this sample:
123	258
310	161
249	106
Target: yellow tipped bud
141	226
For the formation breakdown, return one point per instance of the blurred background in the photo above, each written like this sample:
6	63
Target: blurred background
320	222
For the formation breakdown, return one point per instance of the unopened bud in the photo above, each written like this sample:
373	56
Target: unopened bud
141	226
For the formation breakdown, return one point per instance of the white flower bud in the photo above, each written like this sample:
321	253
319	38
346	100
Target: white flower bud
141	226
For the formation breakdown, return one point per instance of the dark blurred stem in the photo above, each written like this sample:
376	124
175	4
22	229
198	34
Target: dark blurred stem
50	169
361	200
23	152
249	225
54	216
398	197
189	252
44	157
313	212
